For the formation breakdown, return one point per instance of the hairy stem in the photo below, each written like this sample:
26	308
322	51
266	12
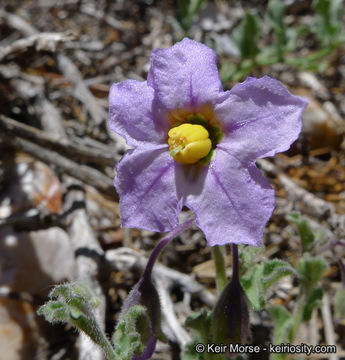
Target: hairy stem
157	250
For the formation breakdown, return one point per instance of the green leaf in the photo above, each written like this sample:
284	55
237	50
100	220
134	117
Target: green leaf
248	256
201	324
275	15
340	304
328	21
292	35
274	270
261	277
74	304
282	319
188	9
63	291
253	287
310	270
54	311
304	229
314	300
127	338
247	36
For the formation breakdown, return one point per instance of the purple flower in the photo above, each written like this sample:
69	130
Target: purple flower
167	167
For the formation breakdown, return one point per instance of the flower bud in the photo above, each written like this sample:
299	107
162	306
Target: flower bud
230	320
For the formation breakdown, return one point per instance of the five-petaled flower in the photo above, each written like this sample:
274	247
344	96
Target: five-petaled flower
195	145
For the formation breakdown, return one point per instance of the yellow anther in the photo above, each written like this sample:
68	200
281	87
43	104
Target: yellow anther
188	143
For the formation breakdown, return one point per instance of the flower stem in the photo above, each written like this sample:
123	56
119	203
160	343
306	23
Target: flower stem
297	316
107	348
218	254
235	263
90	326
157	250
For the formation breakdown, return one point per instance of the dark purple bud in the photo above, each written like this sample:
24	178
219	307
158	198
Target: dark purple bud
230	319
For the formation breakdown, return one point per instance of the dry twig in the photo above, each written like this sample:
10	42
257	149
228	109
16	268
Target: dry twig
328	324
65	65
171	324
40	42
84	173
64	146
88	253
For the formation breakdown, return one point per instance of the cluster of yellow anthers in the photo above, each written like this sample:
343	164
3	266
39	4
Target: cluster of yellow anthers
188	143
193	135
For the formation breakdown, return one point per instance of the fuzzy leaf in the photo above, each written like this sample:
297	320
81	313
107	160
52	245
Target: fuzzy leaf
274	270
147	325
305	231
261	277
127	338
188	12
314	300
252	285
191	354
248	256
63	291
328	24
310	270
54	311
201	324
247	36
74	304
275	14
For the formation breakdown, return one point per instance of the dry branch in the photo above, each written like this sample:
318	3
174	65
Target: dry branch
66	66
30	222
98	14
81	91
85	243
40	42
328	324
64	146
170	324
84	173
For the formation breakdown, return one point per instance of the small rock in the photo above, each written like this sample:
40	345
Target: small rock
321	126
310	80
33	262
19	335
